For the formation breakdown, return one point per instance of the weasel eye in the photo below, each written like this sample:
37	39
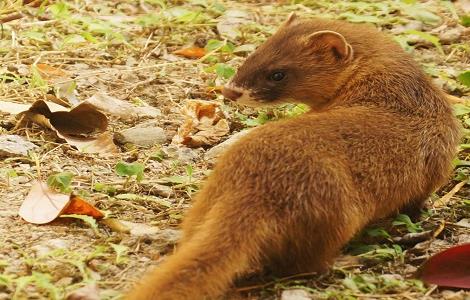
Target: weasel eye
277	76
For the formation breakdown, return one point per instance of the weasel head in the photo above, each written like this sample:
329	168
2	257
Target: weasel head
299	63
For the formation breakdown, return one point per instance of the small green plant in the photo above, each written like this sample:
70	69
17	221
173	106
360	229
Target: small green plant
130	170
104	188
61	182
87	219
403	219
121	253
464	78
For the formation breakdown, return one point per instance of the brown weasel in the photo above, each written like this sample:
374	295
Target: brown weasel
288	196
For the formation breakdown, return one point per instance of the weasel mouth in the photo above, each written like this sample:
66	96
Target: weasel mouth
232	93
241	96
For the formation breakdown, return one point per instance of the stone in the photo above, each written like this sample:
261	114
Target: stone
141	136
15	145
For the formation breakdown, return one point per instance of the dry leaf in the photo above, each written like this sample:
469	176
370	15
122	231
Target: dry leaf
116	225
79	206
83	119
42	205
49	72
83	126
191	52
102	143
205	124
120	108
63	84
16	108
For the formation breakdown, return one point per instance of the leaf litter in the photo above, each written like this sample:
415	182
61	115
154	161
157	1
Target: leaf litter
120	58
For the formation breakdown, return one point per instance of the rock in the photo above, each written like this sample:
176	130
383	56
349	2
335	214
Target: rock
181	153
295	294
161	237
161	190
141	136
216	151
50	245
15	145
120	108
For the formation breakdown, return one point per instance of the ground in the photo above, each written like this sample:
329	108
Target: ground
124	49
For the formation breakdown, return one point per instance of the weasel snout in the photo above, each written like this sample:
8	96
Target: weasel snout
231	93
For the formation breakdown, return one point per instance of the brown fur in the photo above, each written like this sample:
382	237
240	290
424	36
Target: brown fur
290	194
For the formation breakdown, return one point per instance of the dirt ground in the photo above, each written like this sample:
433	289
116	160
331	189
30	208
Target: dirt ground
124	49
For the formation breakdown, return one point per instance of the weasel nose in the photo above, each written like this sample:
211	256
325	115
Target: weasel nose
231	93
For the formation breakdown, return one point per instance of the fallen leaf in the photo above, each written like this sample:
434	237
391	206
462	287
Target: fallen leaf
140	229
102	144
49	72
17	108
83	126
79	206
60	79
205	124
83	119
42	205
116	225
120	108
191	52
449	268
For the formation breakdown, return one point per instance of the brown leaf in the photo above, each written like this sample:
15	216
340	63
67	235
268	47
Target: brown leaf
83	126
191	52
42	205
79	206
17	108
49	72
205	124
102	143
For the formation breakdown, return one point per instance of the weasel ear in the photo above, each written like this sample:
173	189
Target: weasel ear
333	41
290	19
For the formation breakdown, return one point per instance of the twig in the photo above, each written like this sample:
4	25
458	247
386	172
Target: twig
11	17
446	198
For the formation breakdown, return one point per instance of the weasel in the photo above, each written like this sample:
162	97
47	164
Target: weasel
288	196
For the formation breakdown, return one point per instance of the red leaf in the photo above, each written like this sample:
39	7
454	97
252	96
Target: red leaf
80	207
450	268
